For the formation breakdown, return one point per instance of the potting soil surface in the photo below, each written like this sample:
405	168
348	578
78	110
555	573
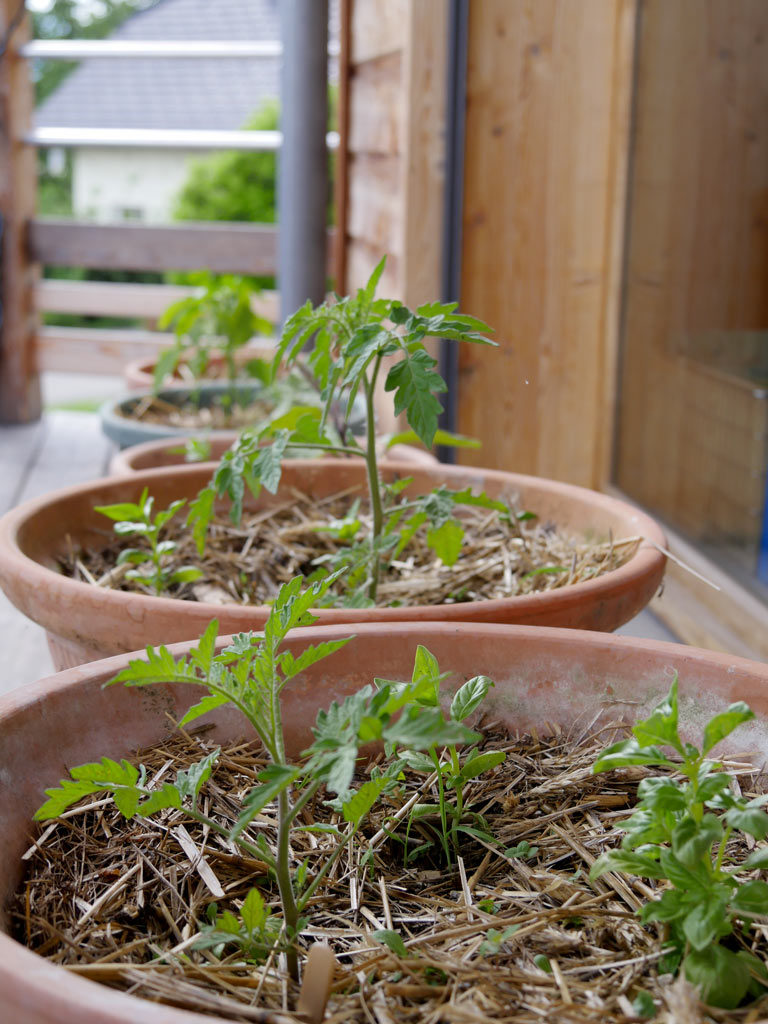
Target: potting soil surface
510	930
191	416
247	563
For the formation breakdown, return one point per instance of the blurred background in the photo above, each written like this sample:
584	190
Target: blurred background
588	176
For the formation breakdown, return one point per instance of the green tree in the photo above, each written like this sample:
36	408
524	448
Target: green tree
237	185
234	186
242	185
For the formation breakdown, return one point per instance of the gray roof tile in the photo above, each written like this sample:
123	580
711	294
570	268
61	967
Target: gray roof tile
173	93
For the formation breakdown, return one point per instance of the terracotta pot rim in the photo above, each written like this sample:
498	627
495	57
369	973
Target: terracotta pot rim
548	636
140	372
120	463
646	559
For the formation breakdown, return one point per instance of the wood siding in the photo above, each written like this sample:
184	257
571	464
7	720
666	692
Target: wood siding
394	152
548	94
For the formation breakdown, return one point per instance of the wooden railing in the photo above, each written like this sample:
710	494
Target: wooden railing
219	247
108	349
28	243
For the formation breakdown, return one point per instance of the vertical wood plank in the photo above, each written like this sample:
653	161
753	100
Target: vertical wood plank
540	229
396	147
396	143
19	379
423	164
622	95
341	184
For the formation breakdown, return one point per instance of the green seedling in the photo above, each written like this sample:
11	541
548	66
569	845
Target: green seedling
194	449
135	519
452	772
495	939
251	674
351	338
679	834
217	318
523	851
255	932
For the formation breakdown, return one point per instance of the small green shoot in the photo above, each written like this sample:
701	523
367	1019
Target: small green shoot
643	1004
495	939
135	519
523	851
452	772
392	940
255	932
679	833
194	449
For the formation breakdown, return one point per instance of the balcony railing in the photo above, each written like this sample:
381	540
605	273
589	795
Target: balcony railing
216	246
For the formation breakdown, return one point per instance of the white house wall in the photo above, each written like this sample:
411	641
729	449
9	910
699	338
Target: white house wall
135	184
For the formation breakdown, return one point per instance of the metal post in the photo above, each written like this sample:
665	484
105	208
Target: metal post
455	120
303	175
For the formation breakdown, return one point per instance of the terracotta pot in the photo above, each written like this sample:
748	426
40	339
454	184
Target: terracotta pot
542	676
85	622
160	453
139	375
119	425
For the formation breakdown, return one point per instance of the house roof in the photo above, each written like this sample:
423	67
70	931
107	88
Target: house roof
174	92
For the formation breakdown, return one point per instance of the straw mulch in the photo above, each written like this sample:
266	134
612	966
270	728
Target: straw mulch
121	901
192	416
247	564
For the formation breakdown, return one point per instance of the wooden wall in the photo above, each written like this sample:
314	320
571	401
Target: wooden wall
394	151
697	266
19	380
549	85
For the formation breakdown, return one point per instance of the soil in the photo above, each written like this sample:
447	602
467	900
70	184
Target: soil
247	563
191	416
502	933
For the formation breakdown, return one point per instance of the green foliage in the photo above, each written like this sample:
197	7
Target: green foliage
217	318
255	932
134	519
128	787
233	186
643	1004
452	772
251	674
522	850
350	338
239	186
495	939
392	940
679	833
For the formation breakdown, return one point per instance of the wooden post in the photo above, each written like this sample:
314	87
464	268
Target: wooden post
341	183
423	166
19	378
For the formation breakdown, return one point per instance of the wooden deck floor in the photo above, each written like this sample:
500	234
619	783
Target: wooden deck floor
63	448
68	448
